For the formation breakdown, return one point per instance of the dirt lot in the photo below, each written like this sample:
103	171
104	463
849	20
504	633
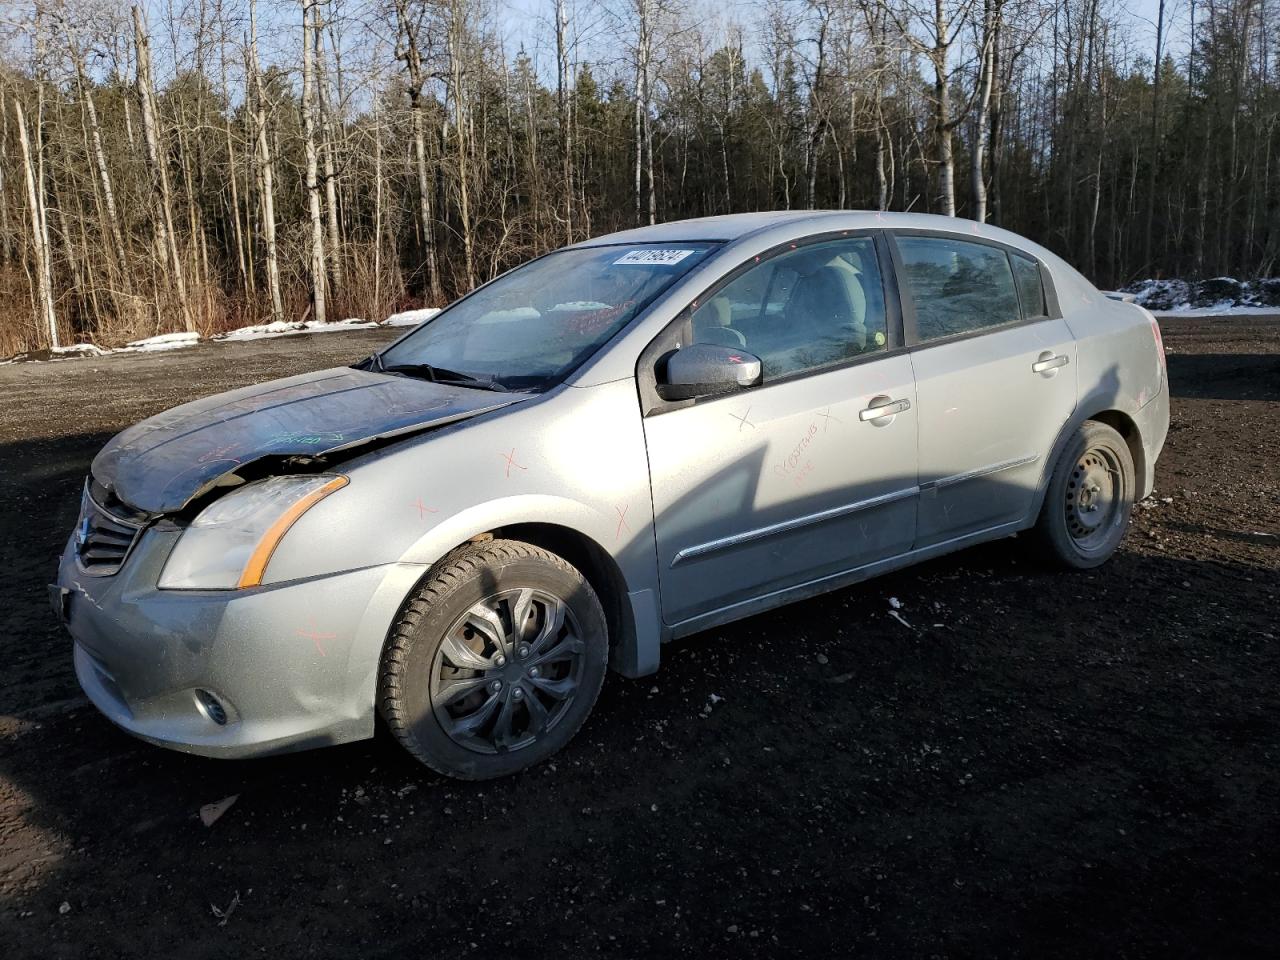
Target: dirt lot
1042	764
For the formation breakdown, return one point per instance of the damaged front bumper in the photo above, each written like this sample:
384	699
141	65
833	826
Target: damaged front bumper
234	673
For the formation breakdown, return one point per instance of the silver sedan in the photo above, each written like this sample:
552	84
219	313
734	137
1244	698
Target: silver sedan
622	442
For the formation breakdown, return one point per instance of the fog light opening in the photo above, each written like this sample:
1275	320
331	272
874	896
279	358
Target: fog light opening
212	707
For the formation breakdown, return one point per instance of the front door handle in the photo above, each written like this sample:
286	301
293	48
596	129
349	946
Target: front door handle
882	407
1049	362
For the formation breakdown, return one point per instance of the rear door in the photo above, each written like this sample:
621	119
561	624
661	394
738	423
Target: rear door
775	486
995	379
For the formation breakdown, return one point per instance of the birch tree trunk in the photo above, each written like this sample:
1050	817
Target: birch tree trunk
39	231
407	50
157	165
100	160
817	115
643	105
942	111
562	113
986	79
233	177
6	244
310	25
330	167
266	171
377	206
457	38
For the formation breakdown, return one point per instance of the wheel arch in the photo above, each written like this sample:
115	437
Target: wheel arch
633	641
599	568
1118	420
1127	427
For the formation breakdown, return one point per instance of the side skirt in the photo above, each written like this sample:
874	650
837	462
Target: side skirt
834	581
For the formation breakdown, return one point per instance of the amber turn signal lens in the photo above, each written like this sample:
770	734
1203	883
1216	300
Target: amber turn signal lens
261	556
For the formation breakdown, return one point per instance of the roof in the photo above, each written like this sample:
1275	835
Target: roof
779	226
734	226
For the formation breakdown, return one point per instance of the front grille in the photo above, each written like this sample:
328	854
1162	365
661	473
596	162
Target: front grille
102	541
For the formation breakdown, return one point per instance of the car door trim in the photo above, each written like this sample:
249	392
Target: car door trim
786	526
943	482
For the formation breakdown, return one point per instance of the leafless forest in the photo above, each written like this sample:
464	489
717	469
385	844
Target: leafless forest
203	164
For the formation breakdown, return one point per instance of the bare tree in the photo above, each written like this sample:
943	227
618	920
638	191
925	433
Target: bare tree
39	229
933	31
407	50
112	214
162	197
319	273
266	170
563	115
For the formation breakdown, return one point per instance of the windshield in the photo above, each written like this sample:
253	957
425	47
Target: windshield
533	326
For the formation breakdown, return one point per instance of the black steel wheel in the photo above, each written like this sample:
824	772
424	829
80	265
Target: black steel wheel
1090	497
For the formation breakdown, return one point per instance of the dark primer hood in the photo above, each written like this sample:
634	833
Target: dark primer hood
162	463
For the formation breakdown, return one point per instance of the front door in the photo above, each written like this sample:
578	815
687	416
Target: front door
995	382
811	473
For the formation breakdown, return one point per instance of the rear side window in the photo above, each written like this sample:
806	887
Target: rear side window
957	287
1026	273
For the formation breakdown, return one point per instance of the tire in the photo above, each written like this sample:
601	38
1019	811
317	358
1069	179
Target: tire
1089	499
467	693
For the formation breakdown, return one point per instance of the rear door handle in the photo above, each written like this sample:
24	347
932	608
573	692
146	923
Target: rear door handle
1050	363
884	407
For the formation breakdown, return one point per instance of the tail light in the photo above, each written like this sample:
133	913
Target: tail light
1163	365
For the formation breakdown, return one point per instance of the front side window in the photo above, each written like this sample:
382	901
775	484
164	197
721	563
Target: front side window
815	306
957	287
533	326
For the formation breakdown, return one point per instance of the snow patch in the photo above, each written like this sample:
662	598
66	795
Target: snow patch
1215	297
410	318
165	341
286	328
78	350
260	331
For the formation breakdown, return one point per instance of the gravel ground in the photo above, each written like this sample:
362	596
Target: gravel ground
1040	765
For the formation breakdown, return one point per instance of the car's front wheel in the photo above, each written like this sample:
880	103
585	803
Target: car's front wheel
495	662
1090	497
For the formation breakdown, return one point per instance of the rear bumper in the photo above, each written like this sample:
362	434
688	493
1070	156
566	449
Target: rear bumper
290	666
1152	420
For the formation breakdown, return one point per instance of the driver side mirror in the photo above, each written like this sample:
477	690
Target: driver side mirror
707	370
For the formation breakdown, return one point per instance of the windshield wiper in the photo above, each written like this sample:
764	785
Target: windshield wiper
427	371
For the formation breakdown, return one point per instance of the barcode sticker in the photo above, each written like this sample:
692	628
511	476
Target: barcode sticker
659	258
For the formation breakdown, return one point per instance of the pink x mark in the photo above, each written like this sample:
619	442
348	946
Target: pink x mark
313	634
622	520
511	461
423	509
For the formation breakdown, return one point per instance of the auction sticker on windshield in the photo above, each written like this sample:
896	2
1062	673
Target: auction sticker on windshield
660	258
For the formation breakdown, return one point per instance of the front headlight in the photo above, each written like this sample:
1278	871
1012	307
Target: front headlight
230	543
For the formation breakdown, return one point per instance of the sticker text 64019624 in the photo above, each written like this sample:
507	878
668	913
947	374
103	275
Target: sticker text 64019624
659	258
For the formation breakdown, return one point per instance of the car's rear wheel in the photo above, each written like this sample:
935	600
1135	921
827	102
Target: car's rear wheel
496	661
1090	497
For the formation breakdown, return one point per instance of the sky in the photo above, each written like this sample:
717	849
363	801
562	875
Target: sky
528	24
529	21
